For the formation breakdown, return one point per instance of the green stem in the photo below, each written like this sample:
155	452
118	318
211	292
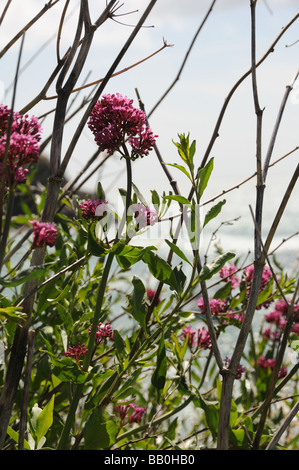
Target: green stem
128	193
6	227
96	319
98	311
79	389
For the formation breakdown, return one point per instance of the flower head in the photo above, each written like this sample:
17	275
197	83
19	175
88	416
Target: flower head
216	305
277	320
143	215
266	276
76	352
114	120
92	210
269	364
188	331
199	338
230	273
24	140
44	234
103	331
131	411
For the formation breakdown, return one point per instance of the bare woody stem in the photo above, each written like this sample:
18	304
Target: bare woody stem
18	350
98	93
230	373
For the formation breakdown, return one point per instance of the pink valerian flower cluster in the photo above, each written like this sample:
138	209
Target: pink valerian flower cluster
44	234
198	339
23	144
103	331
76	352
266	276
230	274
143	215
217	306
240	368
114	121
269	364
131	411
92	210
277	320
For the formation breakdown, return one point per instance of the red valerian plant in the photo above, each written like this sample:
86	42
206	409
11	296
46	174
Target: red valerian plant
114	121
24	137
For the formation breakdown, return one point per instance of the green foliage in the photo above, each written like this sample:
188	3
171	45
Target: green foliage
155	363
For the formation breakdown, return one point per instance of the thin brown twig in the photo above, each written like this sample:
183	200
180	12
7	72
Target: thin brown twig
184	60
62	18
46	7
5	10
126	69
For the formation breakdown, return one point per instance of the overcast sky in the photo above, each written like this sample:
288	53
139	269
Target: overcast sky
218	59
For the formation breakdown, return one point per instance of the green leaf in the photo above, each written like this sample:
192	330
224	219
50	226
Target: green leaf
24	276
100	192
224	291
181	168
44	420
194	228
213	212
127	388
211	269
13	313
155	198
180	349
119	343
62	294
106	381
15	436
185	150
159	375
160	269
139	195
137	301
173	444
204	176
128	255
211	411
95	246
265	293
177	251
98	433
180	278
67	370
179	199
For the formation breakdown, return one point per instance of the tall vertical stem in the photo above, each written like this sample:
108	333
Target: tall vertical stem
229	375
